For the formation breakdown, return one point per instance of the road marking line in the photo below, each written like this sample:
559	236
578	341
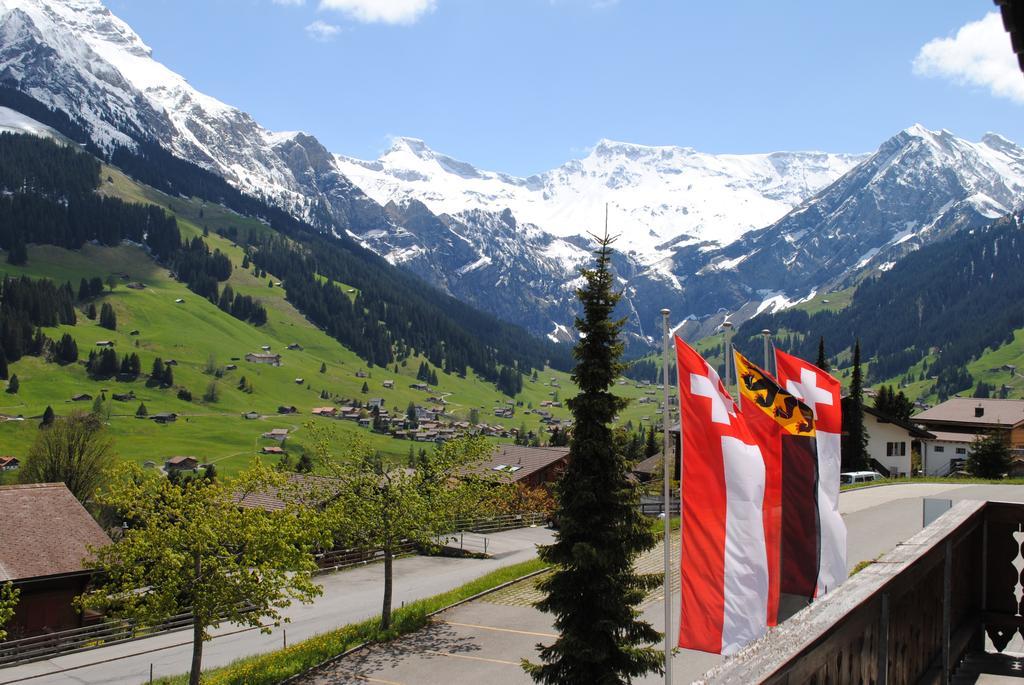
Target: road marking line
500	630
472	658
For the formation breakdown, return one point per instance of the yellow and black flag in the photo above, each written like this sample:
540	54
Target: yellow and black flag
784	429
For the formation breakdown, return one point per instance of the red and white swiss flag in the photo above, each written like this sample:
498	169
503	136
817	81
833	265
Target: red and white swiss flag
724	564
822	393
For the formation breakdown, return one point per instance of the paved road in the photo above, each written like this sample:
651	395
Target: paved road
349	596
484	641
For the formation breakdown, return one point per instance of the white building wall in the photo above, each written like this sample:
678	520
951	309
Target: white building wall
879	436
936	455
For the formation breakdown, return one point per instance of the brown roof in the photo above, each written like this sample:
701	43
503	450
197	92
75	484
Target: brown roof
318	489
913	430
652	465
962	409
174	461
45	531
945	436
520	462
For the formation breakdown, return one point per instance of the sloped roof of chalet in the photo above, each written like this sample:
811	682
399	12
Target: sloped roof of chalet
914	431
651	465
1007	413
320	490
525	460
31	545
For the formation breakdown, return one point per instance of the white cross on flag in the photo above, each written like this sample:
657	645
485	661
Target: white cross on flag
822	393
724	558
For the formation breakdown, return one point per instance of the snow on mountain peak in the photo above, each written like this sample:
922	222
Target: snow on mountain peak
659	195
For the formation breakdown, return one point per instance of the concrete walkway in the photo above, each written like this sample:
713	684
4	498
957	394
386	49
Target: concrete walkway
349	596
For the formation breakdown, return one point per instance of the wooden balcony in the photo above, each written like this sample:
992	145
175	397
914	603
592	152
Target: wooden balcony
917	615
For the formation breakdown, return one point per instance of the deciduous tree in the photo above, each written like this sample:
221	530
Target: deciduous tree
8	601
379	505
193	548
74	450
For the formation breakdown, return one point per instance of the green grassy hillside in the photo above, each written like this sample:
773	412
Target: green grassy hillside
195	332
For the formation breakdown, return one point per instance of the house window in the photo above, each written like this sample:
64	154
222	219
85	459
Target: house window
895	449
961	450
940	448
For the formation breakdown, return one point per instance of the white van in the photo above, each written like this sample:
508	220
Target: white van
849	477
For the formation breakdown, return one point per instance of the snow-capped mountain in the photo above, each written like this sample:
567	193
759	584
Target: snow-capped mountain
704	234
659	197
919	186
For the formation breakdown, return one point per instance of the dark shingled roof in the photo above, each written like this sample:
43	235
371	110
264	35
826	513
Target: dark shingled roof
44	531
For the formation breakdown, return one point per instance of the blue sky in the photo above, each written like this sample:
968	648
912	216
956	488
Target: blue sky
523	85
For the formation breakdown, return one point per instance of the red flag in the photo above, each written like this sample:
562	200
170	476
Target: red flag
724	563
822	394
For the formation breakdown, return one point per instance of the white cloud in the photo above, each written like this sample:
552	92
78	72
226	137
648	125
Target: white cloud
386	11
978	55
322	31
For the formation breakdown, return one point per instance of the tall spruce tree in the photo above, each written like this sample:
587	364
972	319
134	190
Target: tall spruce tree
822	362
854	447
594	590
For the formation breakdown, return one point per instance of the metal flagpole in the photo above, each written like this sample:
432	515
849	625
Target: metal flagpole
667	493
727	325
767	335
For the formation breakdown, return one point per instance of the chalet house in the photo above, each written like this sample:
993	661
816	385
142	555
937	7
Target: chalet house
165	417
179	301
388	384
251	415
124	396
265	348
81	397
362	374
946	453
329	412
136	286
278	434
263	358
961	419
531	466
134	331
9	463
42	560
181	464
287	410
420	386
364	422
377	402
295	346
891	441
231	367
272	450
104	343
171	362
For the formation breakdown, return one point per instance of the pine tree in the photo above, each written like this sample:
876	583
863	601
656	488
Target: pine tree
822	362
594	590
108	319
48	417
90	311
366	388
13	384
142	412
4	371
323	367
855	439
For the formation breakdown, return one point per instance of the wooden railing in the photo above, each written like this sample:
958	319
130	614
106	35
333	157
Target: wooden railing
909	617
